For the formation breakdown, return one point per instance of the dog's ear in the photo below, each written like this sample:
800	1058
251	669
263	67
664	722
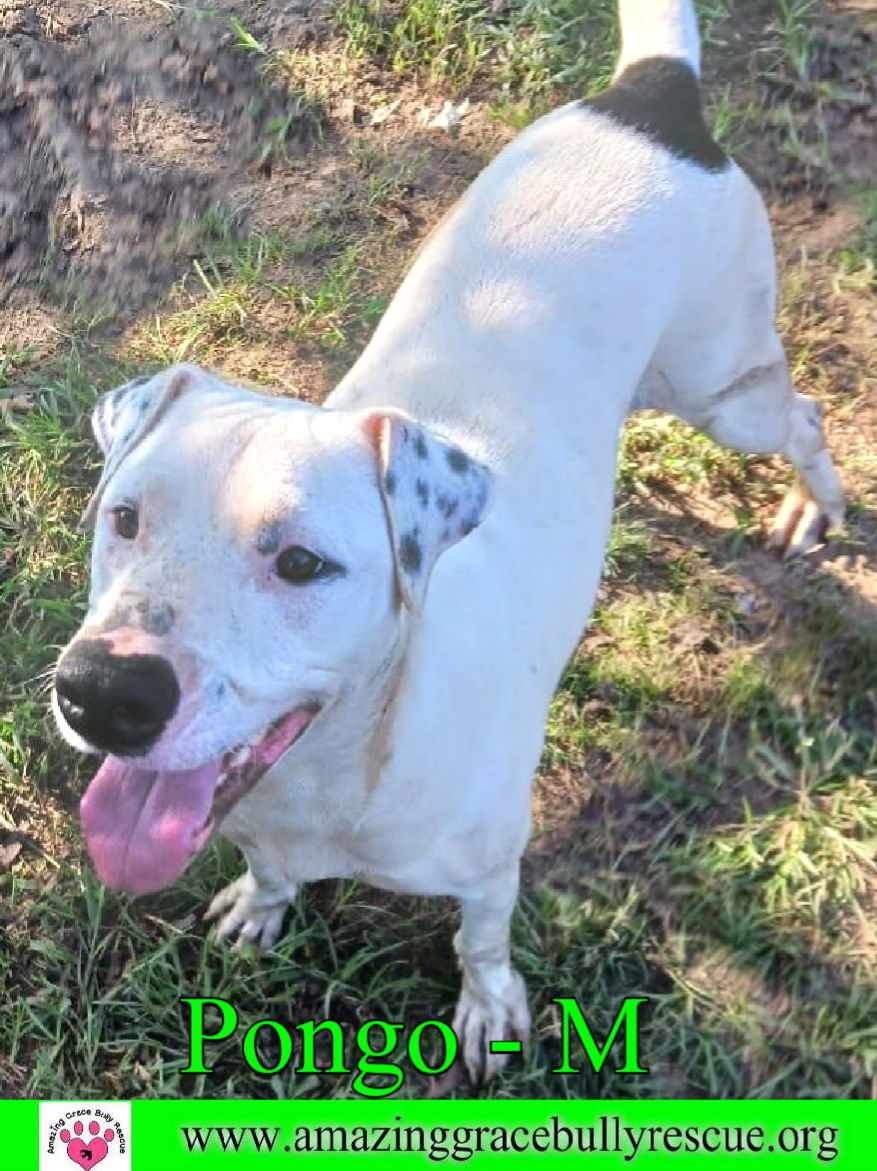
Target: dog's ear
433	492
122	418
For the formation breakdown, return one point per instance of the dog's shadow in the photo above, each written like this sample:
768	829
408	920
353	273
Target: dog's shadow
714	856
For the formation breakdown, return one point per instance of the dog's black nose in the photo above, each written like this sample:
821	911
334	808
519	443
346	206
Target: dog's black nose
118	703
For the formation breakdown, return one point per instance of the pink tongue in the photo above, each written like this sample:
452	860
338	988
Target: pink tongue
143	828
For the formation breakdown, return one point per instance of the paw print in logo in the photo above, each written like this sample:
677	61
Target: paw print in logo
87	1154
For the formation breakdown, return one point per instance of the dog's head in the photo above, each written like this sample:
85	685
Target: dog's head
253	561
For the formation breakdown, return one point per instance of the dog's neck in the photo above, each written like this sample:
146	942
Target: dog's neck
388	686
353	734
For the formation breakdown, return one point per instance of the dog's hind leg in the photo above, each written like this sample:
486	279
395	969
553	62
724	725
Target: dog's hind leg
760	412
493	999
816	502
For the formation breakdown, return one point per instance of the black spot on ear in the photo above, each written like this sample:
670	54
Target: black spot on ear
458	461
422	490
139	381
390	483
420	447
466	527
410	553
447	505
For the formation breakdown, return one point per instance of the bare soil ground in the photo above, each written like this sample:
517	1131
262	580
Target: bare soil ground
120	127
243	185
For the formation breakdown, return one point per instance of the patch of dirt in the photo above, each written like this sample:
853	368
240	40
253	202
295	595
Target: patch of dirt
845	63
117	131
819	96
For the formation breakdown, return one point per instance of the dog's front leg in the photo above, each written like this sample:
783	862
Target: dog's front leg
493	1000
253	906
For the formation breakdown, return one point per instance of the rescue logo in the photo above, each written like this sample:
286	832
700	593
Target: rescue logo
85	1134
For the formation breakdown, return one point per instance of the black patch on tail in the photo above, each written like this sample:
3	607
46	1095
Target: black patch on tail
660	97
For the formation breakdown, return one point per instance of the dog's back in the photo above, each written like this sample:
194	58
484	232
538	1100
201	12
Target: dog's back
611	257
603	223
581	266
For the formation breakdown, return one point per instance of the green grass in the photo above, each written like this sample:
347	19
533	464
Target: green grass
444	39
858	260
310	288
531	54
707	807
796	34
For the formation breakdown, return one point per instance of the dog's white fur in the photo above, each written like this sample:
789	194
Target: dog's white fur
586	273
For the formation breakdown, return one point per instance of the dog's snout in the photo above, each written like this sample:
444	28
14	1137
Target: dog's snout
118	703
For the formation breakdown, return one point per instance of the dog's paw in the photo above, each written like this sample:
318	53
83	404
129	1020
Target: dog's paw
481	1018
801	524
251	912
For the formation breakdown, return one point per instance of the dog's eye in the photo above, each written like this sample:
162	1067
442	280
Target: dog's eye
298	564
126	522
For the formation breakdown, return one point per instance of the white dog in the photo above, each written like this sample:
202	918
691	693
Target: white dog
334	632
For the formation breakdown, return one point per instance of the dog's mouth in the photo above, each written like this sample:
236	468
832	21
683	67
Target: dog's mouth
144	826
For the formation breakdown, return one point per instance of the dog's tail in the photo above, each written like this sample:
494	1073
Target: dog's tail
658	28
